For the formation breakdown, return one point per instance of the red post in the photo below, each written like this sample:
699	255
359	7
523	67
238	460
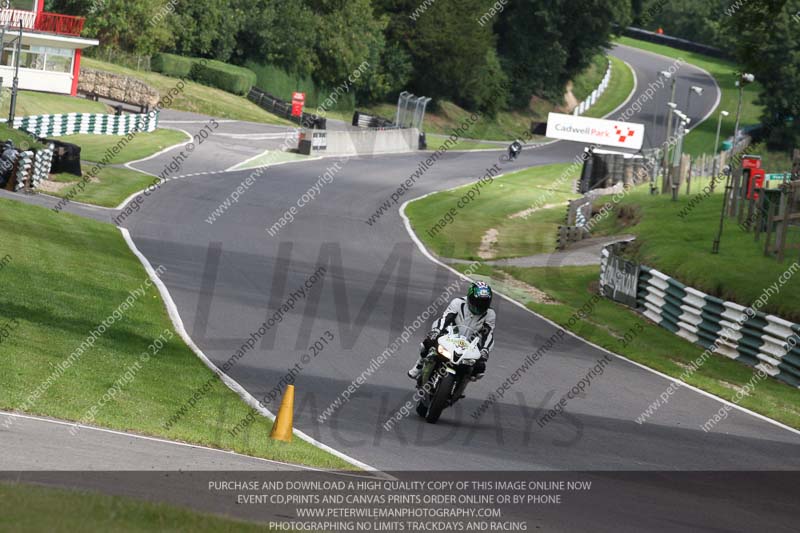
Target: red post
76	72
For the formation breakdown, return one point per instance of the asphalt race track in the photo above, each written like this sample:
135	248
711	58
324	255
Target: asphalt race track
228	277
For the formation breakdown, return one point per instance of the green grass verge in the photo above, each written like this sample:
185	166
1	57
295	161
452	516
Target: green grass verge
108	188
436	140
618	90
505	196
681	247
270	157
68	274
668	244
701	138
195	97
36	103
144	144
32	508
20	138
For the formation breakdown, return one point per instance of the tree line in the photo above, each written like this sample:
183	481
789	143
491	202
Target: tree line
484	55
465	51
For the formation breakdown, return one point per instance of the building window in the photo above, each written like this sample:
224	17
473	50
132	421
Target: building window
40	58
25	5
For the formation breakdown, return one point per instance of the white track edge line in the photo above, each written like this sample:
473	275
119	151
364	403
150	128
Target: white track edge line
248	398
426	253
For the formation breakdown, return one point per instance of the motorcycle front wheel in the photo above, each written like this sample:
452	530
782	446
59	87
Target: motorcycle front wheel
440	398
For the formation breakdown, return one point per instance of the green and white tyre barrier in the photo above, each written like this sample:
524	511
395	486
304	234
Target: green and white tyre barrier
766	342
91	123
24	166
42	163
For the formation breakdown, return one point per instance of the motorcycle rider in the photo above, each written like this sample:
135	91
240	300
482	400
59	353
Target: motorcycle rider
514	150
475	315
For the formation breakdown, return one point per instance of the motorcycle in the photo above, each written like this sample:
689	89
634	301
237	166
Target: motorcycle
446	371
514	151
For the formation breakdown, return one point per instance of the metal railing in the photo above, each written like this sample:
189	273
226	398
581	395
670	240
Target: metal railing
44	22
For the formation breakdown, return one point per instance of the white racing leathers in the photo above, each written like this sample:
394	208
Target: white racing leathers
458	314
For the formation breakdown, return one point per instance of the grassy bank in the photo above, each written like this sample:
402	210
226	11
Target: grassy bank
32	508
65	276
677	247
504	205
36	103
681	247
701	138
194	97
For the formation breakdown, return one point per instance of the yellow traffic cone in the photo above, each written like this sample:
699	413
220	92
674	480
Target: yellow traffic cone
282	427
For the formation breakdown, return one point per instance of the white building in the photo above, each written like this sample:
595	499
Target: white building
51	47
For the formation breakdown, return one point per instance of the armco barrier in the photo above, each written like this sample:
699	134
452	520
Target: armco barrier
279	107
94	123
763	341
584	106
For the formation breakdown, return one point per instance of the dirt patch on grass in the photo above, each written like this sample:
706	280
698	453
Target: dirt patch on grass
54	186
537	295
488	242
629	215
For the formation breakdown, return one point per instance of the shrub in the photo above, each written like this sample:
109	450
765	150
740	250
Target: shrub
172	65
237	80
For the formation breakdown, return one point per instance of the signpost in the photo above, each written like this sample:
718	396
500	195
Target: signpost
298	101
779	176
620	280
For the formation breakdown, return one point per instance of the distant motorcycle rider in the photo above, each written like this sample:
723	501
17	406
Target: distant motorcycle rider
514	150
471	316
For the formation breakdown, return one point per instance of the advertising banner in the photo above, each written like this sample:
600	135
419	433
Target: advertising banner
615	133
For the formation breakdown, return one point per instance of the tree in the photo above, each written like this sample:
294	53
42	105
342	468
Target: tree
278	32
767	44
123	25
207	28
545	43
348	33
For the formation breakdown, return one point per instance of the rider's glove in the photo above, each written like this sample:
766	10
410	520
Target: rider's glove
485	354
433	334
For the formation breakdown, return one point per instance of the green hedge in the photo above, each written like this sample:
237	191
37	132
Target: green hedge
172	65
282	84
223	76
210	72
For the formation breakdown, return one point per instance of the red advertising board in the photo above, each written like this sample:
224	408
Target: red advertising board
298	101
